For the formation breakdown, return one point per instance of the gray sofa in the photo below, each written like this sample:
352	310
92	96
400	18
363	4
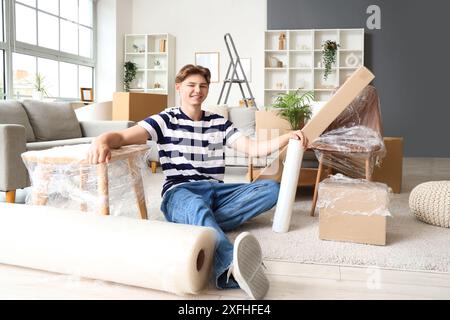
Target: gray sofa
36	125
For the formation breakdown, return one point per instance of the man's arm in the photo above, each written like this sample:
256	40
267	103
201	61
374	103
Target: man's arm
262	148
100	150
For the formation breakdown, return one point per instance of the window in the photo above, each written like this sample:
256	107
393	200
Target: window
2	75
62	25
55	40
59	79
3	47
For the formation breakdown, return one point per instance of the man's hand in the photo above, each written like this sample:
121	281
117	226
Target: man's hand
99	152
300	135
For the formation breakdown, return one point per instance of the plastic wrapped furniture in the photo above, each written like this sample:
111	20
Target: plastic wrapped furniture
353	143
37	125
430	203
61	177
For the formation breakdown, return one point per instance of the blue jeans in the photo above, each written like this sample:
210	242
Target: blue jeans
222	206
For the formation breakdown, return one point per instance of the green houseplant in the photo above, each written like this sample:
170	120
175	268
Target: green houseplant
329	50
39	87
294	107
129	74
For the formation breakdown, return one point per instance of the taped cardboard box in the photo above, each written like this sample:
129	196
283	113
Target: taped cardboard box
391	169
353	210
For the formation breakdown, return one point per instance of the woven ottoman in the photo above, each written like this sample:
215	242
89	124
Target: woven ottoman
430	202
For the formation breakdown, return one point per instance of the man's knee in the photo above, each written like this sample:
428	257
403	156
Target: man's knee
271	189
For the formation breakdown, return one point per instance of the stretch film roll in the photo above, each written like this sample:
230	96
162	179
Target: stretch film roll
158	255
288	186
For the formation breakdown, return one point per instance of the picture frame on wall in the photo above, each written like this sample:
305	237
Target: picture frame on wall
210	60
87	94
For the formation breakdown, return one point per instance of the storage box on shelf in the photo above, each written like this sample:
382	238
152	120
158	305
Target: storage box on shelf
299	65
154	55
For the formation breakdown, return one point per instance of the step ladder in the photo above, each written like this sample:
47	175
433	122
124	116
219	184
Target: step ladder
232	75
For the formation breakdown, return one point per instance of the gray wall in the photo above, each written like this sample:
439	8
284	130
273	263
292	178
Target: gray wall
410	57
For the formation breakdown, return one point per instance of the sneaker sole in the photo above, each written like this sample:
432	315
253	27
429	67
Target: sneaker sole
247	269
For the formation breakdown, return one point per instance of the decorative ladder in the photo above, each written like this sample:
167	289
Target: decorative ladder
235	62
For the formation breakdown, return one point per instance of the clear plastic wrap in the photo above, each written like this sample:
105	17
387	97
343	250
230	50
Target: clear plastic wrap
353	151
339	194
61	177
353	143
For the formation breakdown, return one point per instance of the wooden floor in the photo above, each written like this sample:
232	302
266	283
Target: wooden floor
287	281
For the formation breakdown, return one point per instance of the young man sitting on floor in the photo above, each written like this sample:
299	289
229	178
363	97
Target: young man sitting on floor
191	149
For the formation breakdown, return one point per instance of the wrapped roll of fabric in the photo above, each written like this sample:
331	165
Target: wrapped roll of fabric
158	255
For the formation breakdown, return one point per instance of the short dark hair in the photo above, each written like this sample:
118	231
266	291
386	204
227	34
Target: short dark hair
189	70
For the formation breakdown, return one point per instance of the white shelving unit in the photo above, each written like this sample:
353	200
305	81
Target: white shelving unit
155	61
301	59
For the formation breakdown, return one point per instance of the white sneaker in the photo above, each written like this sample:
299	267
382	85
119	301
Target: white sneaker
247	266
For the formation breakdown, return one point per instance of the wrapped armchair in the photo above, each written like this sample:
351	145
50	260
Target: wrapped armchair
36	125
353	143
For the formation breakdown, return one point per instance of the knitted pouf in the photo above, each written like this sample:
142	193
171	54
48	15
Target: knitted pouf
430	202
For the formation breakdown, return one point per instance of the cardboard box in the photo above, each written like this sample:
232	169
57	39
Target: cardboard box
391	169
137	106
269	124
353	210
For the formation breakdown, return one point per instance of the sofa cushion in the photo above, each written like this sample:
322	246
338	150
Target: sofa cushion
34	146
52	120
221	110
12	112
243	119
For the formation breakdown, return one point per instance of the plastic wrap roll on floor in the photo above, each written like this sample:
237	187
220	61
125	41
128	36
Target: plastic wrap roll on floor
158	255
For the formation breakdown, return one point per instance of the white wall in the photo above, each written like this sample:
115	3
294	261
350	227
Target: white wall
113	21
105	79
199	25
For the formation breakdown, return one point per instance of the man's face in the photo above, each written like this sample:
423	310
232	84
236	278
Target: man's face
193	90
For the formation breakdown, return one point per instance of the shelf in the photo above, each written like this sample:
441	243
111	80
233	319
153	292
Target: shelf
155	63
350	50
157	89
303	56
278	51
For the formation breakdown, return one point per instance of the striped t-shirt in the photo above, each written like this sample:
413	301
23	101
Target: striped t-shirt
190	150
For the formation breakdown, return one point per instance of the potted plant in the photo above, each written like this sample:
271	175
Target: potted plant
294	107
129	74
39	87
329	50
